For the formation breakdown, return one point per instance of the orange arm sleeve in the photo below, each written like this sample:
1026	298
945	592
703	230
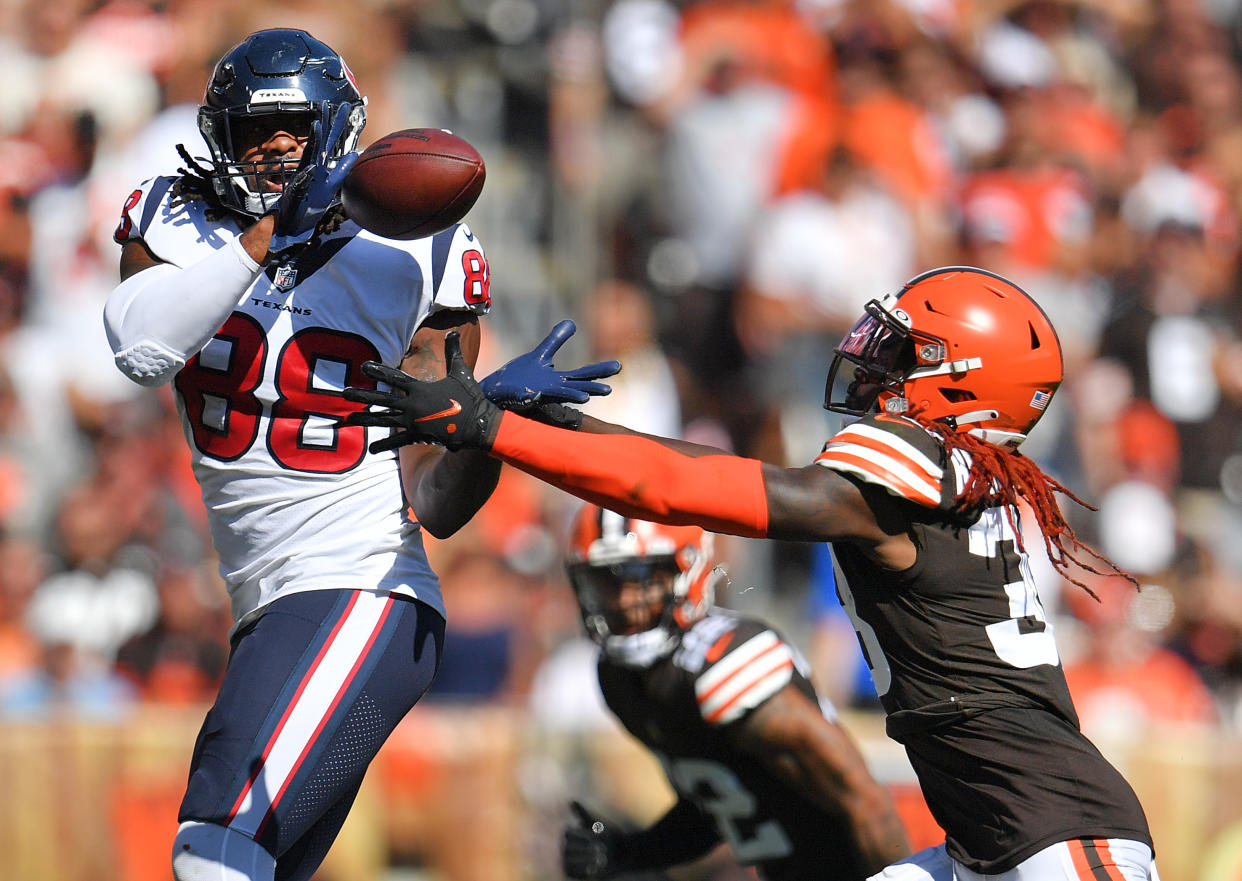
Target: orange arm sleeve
640	477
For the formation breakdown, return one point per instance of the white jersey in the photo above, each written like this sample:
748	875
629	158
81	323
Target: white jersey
295	501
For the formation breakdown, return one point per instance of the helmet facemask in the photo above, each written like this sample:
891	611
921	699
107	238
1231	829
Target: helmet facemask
639	584
252	187
885	353
629	608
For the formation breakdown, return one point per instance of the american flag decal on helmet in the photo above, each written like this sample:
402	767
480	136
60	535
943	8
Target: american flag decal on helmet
876	453
1040	399
744	678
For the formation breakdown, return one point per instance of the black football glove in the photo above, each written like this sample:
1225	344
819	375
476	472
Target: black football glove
530	385
591	849
313	188
452	412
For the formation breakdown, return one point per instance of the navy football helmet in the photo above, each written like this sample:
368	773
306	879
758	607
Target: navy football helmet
277	71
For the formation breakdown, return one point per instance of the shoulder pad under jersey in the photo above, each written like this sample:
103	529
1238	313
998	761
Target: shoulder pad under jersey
745	666
174	230
895	453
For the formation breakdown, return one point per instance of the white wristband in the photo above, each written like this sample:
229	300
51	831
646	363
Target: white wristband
161	317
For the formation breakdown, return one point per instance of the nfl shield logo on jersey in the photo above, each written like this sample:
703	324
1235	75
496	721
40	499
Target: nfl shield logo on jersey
286	277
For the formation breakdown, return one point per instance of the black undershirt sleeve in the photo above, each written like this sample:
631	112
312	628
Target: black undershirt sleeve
683	834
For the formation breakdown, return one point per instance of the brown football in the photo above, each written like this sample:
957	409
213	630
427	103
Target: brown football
413	183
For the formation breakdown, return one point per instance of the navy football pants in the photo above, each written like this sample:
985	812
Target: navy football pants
312	690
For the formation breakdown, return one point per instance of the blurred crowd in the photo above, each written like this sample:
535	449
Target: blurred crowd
712	190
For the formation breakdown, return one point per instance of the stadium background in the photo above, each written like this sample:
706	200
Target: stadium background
711	189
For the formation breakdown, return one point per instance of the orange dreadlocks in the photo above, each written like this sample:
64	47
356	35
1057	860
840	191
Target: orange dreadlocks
1003	476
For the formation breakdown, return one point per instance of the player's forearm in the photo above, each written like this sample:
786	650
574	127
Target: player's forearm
817	759
258	237
161	317
445	489
640	476
877	829
840	783
681	835
866	805
591	425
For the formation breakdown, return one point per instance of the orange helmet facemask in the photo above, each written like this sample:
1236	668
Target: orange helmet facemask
956	345
608	551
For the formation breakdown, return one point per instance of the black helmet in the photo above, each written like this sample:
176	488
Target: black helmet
281	70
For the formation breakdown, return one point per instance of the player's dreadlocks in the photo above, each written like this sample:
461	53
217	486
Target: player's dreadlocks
1002	476
195	185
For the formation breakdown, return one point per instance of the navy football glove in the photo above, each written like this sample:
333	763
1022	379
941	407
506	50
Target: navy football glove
452	412
591	849
530	385
530	379
313	188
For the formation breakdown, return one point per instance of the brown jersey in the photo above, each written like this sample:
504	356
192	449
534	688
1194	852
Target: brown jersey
686	706
966	666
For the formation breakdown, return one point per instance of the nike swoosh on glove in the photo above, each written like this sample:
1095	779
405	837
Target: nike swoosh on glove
452	412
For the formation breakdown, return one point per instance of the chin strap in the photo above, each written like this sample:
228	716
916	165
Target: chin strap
998	436
1008	439
640	649
949	368
972	416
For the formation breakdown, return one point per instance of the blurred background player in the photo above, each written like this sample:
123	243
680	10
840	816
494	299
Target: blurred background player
725	704
247	288
921	497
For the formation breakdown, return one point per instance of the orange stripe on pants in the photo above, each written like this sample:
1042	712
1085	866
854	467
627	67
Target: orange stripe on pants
1093	861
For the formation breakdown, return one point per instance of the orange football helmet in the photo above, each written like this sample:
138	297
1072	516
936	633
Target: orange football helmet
957	345
608	552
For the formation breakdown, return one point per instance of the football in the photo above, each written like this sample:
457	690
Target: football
413	183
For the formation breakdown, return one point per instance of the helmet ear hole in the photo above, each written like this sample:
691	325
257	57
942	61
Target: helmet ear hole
958	395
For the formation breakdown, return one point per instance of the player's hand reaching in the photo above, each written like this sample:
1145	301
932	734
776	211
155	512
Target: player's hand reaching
532	386
452	412
591	849
313	188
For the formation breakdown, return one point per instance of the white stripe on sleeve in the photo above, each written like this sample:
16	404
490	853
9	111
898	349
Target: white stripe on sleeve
744	678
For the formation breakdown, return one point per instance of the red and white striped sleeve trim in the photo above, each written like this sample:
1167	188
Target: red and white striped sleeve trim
744	678
883	458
